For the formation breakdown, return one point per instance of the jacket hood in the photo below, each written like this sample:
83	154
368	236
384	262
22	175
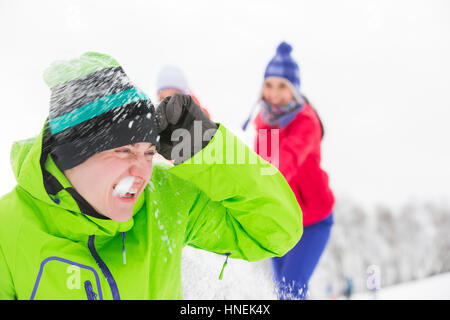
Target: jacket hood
38	175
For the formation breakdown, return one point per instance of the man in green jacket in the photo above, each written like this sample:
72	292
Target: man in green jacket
91	216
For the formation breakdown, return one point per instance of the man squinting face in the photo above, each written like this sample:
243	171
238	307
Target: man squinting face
96	178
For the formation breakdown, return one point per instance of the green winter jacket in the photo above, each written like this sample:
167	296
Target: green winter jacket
49	249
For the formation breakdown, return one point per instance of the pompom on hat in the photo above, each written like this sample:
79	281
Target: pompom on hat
94	107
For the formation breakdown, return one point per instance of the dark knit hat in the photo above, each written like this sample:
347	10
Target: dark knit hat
94	107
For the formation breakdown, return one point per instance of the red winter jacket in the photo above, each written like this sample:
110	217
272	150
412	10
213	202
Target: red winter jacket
198	102
299	162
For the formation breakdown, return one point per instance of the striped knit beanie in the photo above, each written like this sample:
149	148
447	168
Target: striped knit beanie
282	65
94	107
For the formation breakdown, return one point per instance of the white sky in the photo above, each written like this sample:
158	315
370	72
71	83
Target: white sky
377	71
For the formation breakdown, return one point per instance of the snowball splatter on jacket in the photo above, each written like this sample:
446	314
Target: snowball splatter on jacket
49	249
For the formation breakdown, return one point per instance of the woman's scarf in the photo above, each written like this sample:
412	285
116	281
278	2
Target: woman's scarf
281	116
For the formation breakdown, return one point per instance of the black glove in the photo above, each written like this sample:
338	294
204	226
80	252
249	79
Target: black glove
179	112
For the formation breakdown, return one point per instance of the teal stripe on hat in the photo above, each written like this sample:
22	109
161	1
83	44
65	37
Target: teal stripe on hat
95	108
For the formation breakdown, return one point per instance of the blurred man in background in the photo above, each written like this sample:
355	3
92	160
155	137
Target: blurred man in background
172	80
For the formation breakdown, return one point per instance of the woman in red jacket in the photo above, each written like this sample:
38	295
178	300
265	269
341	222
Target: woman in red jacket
284	108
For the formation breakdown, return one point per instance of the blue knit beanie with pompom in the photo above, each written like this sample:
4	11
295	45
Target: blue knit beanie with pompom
282	65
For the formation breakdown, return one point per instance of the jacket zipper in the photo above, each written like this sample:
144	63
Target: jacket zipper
91	295
228	254
124	253
104	269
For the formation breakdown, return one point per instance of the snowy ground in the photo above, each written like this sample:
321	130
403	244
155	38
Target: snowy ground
242	280
433	288
252	281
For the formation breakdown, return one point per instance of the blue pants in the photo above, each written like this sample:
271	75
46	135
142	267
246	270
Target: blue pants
293	271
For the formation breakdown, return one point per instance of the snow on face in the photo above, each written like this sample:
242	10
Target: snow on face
112	180
123	186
